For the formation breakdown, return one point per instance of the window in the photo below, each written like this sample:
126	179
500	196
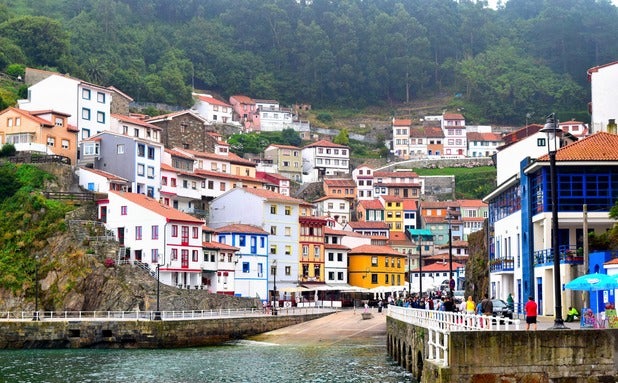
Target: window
9	122
221	186
154	255
151	153
173	182
86	113
85	133
288	250
101	117
288	210
242	240
86	94
65	144
59	121
195	232
150	173
374	261
123	210
51	141
273	209
174	254
174	230
195	256
141	149
273	230
211	185
163	181
140	169
101	97
273	249
316	252
288	231
136	132
120	149
155	231
138	232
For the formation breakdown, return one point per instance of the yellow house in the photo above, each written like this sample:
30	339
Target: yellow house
393	209
372	266
44	131
311	241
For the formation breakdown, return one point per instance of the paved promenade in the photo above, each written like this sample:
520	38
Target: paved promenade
346	326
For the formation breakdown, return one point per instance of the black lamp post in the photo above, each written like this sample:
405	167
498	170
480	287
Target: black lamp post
35	316
553	142
274	271
449	217
409	273
420	265
157	313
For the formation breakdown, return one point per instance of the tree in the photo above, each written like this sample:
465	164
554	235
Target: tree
342	138
43	40
290	137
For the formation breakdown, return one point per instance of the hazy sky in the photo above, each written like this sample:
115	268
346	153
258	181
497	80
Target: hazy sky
492	3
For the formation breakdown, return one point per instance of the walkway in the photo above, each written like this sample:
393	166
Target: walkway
343	326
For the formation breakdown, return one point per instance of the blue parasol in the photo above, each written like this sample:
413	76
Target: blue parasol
593	282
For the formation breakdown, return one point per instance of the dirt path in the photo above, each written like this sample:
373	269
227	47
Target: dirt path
344	326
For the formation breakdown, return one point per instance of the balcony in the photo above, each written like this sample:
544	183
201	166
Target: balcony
498	265
568	255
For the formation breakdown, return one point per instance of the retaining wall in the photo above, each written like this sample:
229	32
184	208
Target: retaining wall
139	333
558	356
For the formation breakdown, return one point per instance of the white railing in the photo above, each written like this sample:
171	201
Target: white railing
441	323
149	315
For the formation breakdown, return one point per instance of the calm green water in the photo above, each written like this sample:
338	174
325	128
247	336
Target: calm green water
244	361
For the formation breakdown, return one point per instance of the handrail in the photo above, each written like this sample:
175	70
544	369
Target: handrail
149	315
441	323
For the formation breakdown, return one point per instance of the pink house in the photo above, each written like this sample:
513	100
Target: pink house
245	112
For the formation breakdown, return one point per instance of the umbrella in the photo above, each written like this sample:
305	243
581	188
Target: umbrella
593	282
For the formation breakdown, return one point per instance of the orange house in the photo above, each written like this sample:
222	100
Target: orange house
371	266
44	131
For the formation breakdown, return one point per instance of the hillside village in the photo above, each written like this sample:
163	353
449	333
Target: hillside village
178	200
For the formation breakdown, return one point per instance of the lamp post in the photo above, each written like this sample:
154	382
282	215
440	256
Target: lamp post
274	271
449	217
35	316
553	142
157	313
409	273
420	266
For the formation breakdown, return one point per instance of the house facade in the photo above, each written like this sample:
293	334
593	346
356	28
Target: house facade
324	158
371	266
455	140
45	131
401	138
603	105
184	129
483	144
212	110
156	236
288	160
363	176
87	105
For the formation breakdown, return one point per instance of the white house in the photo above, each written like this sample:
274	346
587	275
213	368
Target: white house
252	258
604	105
363	176
88	105
212	110
155	235
96	180
323	158
274	213
401	138
335	257
455	141
272	117
134	127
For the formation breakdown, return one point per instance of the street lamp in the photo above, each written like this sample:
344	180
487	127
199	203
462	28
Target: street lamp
274	271
157	313
35	316
409	273
420	265
451	283
553	143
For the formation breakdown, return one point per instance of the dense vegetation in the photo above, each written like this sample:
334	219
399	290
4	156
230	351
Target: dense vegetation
529	57
27	220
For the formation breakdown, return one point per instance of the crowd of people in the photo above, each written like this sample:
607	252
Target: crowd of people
441	302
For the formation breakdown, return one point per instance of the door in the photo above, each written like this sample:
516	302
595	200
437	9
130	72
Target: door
103	214
539	295
121	236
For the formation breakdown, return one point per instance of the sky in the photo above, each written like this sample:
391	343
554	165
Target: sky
493	3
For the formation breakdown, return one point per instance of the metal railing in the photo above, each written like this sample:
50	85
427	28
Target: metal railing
149	315
441	323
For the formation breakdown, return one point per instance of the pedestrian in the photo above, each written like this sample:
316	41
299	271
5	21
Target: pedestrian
470	306
572	314
510	302
487	306
530	308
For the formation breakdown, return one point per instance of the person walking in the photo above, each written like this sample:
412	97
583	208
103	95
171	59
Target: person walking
487	306
531	309
470	306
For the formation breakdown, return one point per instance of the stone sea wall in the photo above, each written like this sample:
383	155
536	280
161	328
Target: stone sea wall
139	333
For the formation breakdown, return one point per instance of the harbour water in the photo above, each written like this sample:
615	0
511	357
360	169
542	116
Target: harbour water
242	361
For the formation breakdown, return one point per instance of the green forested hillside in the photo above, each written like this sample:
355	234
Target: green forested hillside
528	57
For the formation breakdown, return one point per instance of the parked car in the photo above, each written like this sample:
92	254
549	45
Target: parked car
501	309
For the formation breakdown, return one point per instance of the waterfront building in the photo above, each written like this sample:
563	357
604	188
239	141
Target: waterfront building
250	261
312	245
335	257
156	236
371	266
520	248
276	214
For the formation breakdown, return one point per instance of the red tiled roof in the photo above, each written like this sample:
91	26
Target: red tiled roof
471	203
211	100
231	157
373	249
240	228
272	196
335	246
410	204
520	134
490	137
596	68
439	266
404	174
339	182
325	144
284	146
453	116
434	132
109	176
597	147
391	198
135	121
153	205
219	246
373	204
176	153
402	122
243	99
31	116
368	225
